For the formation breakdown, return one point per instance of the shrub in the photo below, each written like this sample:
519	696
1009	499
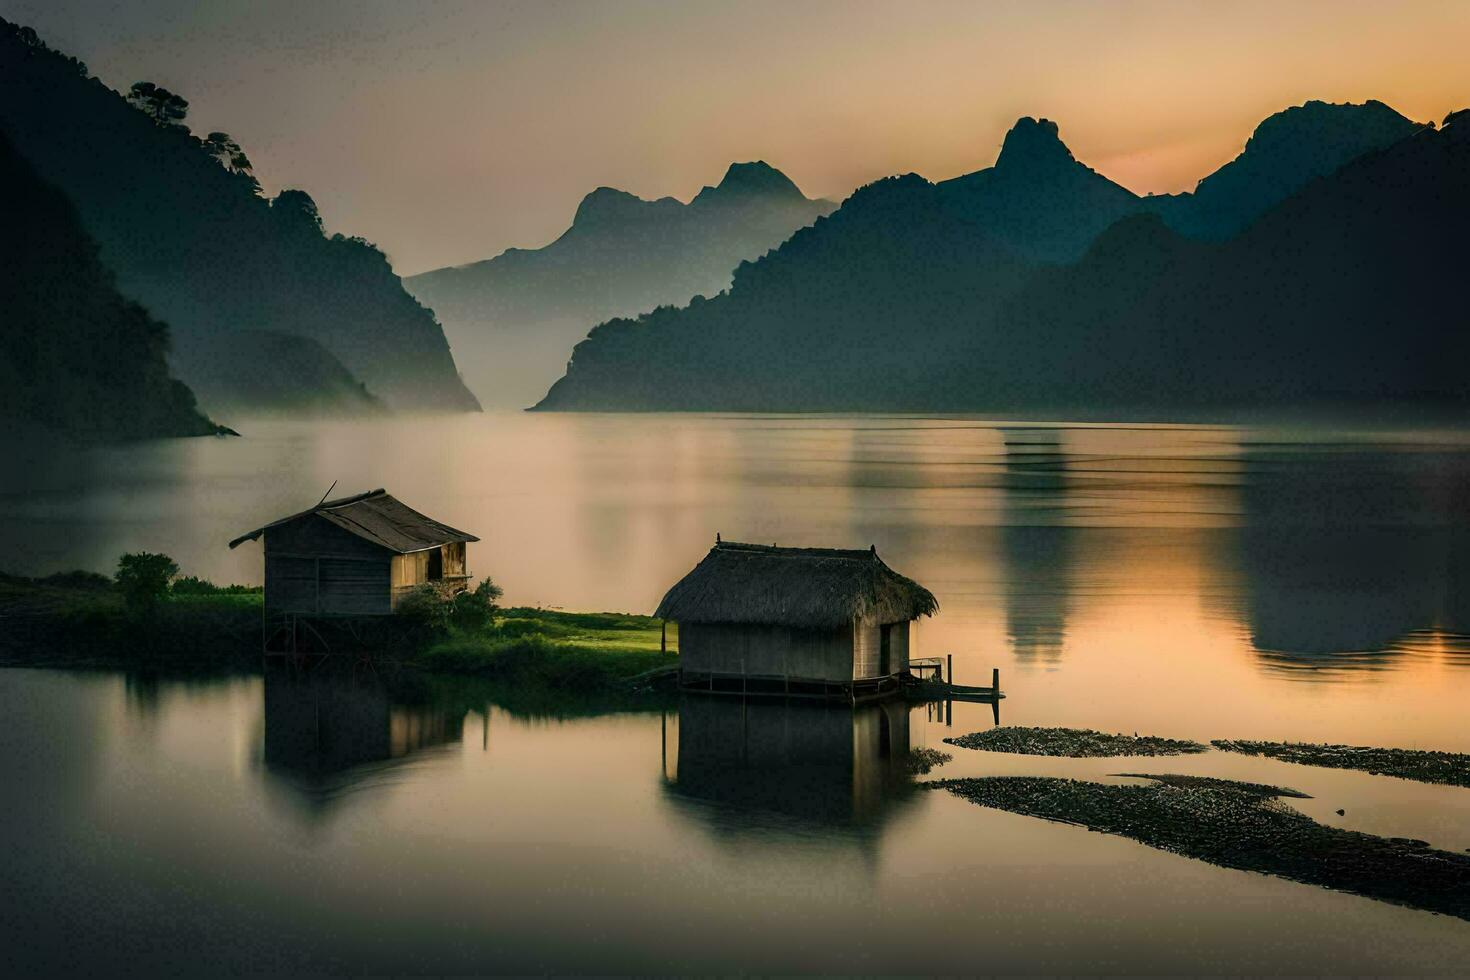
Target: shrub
88	581
474	609
428	605
142	577
194	585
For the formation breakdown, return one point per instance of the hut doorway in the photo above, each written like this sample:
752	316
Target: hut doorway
435	570
885	650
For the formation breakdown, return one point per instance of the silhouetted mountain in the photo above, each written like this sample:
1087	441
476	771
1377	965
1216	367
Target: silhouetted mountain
1038	199
192	240
1337	296
830	319
1287	150
513	318
908	298
76	357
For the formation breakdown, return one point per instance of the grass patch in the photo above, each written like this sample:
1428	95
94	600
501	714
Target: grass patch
80	619
540	660
601	630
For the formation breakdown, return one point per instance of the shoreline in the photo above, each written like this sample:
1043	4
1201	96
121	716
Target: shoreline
80	622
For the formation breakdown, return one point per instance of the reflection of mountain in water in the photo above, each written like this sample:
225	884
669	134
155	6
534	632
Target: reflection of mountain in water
329	732
1037	543
1354	559
760	765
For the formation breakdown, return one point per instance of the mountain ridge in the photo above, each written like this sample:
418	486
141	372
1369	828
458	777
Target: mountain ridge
79	358
1132	320
514	317
195	243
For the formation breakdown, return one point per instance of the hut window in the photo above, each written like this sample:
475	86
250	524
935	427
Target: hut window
436	565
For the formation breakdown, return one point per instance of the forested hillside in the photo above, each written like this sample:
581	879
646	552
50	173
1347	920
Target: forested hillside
181	222
76	357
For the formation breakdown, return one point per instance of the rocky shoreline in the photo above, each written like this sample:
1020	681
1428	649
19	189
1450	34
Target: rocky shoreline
1238	825
1075	743
1426	767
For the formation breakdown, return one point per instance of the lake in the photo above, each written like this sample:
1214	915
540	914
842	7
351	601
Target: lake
1276	583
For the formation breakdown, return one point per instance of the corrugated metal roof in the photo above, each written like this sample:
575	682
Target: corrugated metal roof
379	517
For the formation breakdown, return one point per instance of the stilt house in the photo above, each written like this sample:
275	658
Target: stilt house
356	556
794	621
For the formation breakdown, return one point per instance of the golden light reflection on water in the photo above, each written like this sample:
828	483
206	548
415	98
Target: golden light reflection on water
1200	581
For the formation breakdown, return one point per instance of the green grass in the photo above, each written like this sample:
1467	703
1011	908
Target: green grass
555	649
602	631
540	660
81	619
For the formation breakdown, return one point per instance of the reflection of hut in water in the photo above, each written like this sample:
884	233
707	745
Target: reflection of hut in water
797	761
794	621
328	731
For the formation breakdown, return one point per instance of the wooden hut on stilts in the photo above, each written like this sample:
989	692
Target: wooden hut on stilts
351	558
817	622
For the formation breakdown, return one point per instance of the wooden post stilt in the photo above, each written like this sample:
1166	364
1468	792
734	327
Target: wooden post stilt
663	636
995	680
949	669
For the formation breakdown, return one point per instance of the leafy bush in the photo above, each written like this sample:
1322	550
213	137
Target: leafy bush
437	606
143	577
88	581
474	609
428	605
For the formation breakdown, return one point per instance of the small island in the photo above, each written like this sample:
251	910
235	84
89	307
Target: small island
149	617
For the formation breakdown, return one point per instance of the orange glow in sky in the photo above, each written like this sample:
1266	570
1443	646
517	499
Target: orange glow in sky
448	131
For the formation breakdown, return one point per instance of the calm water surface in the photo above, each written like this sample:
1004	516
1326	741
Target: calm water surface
1180	581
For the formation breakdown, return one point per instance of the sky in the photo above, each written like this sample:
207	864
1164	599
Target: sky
447	131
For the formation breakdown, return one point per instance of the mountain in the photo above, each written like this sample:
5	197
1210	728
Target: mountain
913	297
514	317
1342	295
845	315
76	357
1038	199
1286	151
188	236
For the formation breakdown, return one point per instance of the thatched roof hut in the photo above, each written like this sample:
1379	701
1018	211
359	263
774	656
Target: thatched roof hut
805	588
795	614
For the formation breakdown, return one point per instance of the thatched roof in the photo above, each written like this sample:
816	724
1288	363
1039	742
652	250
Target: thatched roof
807	588
379	517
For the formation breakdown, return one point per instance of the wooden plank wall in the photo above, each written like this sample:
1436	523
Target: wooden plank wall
410	570
290	584
898	647
868	649
865	650
454	558
770	650
354	588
